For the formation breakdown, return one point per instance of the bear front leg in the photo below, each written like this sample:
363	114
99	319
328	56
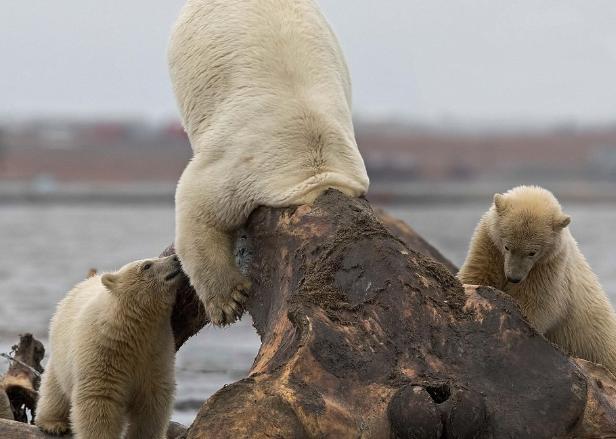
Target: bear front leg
53	407
205	215
96	413
207	258
544	317
150	415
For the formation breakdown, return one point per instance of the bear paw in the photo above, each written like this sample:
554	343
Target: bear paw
225	309
56	428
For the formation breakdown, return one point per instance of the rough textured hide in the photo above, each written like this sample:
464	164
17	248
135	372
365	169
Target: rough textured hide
525	235
364	337
412	239
265	98
189	315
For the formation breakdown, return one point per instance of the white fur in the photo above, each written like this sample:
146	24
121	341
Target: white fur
265	98
558	292
5	406
112	356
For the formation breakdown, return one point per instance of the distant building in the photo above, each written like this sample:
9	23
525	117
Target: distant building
132	151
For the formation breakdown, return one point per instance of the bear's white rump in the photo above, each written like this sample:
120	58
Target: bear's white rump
265	98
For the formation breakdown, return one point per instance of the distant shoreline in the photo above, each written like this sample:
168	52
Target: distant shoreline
382	193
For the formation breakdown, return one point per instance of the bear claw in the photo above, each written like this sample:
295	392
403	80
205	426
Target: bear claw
227	309
55	428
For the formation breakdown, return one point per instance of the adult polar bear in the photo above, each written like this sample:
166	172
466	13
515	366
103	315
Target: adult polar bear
265	98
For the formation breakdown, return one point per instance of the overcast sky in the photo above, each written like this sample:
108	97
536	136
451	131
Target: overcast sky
431	60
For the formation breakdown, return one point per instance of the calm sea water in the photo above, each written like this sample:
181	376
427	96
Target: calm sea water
47	249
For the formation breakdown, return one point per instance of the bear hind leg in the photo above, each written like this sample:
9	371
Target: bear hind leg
96	415
53	408
149	418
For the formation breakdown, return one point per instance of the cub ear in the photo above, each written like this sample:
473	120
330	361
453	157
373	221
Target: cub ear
500	203
109	280
561	221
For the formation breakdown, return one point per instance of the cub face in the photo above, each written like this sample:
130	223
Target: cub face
526	231
149	282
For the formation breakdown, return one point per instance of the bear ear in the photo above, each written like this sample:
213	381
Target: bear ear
500	203
562	221
109	280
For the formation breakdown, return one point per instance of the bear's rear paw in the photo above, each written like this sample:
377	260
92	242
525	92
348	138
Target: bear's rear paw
56	428
227	308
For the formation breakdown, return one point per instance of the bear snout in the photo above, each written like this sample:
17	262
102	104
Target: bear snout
173	260
514	280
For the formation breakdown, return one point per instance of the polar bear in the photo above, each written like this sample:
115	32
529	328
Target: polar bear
112	355
523	246
265	98
5	406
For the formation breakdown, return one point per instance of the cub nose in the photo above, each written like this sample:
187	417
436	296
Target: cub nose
514	280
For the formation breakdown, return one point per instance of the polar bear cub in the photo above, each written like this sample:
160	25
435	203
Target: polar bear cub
523	246
5	406
265	98
112	355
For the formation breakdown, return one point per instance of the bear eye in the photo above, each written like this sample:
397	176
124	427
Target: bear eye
147	266
507	248
531	254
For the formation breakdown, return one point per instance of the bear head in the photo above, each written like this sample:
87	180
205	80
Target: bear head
148	284
527	226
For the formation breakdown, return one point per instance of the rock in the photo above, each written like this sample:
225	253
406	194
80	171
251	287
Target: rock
364	336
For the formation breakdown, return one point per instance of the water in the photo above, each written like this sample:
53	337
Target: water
47	249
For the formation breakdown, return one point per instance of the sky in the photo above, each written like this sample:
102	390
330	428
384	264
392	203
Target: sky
428	61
